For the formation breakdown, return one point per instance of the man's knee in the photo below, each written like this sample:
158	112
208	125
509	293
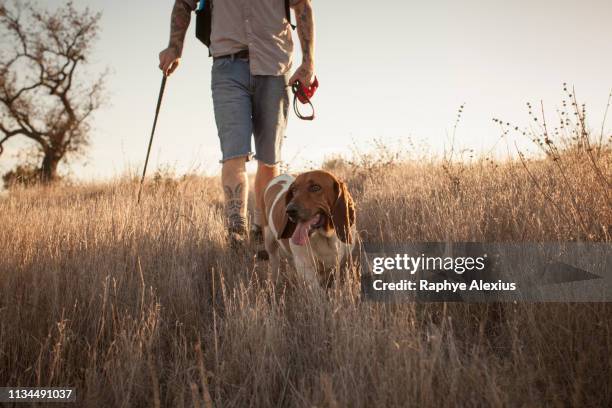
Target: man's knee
234	165
267	169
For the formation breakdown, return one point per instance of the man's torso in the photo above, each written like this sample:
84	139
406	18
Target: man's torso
257	25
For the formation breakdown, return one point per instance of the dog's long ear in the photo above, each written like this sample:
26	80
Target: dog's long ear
287	227
343	213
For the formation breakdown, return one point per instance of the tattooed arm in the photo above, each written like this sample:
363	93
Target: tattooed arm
306	33
179	22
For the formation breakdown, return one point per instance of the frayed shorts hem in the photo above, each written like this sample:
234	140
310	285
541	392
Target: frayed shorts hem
268	163
248	156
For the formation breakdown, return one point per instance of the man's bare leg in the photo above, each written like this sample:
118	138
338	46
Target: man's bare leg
265	173
236	189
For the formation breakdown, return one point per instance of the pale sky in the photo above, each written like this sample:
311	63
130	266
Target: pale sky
388	70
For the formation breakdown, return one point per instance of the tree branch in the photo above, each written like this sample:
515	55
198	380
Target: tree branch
41	94
8	134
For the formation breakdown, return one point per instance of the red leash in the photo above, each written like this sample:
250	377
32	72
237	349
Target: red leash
304	94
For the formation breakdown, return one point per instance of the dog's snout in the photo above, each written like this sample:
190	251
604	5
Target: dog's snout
292	211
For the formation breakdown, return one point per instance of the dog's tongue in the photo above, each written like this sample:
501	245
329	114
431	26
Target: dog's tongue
300	235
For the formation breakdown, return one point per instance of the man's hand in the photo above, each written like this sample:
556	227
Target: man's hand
305	74
168	61
179	22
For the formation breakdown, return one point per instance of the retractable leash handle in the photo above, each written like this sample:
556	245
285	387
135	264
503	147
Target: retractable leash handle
304	94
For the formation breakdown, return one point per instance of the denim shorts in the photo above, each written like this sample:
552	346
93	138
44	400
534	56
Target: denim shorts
248	105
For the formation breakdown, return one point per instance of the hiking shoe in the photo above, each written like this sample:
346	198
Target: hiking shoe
256	235
257	243
237	238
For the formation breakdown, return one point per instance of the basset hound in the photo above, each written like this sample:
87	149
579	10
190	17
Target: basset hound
310	220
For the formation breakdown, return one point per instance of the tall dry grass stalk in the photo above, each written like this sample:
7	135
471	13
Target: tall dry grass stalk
147	306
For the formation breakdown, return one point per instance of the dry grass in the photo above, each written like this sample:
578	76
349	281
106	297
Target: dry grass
145	305
139	305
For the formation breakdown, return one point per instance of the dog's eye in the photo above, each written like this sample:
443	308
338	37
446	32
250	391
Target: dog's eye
314	188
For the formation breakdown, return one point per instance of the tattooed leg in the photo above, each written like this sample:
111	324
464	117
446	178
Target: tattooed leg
234	208
235	188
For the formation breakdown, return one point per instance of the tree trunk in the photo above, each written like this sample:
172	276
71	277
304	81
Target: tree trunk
48	168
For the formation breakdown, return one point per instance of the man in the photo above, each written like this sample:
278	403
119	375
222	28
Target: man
252	51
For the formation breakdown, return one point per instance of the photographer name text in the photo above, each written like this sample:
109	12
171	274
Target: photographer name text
411	265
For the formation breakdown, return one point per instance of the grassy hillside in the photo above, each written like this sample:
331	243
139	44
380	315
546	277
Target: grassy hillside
146	305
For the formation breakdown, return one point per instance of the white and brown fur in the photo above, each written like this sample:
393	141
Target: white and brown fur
330	246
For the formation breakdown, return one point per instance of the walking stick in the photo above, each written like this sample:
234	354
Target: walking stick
159	100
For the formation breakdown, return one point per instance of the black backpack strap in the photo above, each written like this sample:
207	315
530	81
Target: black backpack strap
204	22
288	14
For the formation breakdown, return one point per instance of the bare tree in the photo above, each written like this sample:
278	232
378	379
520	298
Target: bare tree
43	95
